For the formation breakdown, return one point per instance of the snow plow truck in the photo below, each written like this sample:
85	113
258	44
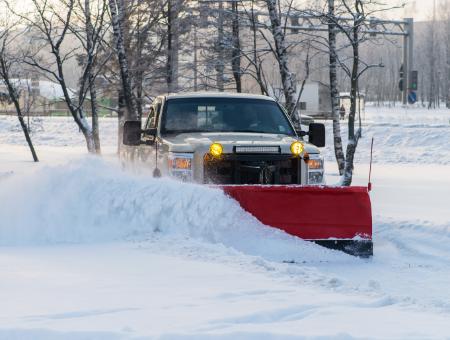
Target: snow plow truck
247	145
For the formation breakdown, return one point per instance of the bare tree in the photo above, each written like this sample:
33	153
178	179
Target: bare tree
255	55
217	45
90	29
51	24
445	17
236	47
8	62
334	92
220	49
281	52
117	9
432	56
174	31
94	36
358	11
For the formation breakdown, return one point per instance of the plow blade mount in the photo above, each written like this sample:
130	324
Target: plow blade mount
334	217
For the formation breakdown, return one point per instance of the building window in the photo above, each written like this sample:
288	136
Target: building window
303	106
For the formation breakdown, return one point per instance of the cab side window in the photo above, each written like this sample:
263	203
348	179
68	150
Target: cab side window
151	119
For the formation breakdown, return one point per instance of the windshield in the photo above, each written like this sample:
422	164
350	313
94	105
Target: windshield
224	115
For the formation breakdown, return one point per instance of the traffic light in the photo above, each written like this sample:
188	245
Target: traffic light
414	80
401	83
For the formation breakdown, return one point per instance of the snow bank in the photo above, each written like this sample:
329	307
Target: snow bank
54	131
91	200
400	135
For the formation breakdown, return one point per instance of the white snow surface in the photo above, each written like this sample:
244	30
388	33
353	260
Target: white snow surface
406	136
89	251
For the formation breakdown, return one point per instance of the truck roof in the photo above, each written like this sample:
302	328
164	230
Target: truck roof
218	95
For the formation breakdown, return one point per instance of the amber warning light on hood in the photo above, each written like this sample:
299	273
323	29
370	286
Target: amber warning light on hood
297	148
216	149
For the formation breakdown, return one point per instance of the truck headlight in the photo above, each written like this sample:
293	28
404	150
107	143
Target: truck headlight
181	165
297	148
315	169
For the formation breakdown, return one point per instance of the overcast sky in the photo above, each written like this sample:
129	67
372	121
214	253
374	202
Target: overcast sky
420	10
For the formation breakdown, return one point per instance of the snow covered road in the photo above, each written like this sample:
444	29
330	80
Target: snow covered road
131	290
86	254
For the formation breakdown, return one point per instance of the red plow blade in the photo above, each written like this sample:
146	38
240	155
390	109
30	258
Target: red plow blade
335	217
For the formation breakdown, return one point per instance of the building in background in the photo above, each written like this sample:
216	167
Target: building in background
315	100
37	97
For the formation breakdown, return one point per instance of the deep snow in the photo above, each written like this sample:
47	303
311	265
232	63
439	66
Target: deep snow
90	200
86	251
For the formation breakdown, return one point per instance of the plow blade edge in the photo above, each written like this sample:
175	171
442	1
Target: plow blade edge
335	217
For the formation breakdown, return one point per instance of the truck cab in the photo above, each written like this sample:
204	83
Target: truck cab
225	138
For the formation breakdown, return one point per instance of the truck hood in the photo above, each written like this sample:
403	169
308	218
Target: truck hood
200	142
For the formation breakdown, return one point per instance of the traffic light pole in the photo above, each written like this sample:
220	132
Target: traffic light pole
301	21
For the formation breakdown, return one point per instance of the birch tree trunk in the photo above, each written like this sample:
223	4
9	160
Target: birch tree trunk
121	105
138	74
337	139
287	78
91	77
117	9
353	137
94	110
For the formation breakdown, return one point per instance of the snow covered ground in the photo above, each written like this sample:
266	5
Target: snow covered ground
87	253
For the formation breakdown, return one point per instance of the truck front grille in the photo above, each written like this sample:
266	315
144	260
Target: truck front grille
252	169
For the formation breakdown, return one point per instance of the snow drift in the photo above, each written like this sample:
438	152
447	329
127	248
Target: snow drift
91	200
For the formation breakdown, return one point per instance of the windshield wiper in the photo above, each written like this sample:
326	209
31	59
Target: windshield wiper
174	132
254	131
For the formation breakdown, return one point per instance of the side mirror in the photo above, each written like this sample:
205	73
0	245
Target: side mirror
132	133
317	134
